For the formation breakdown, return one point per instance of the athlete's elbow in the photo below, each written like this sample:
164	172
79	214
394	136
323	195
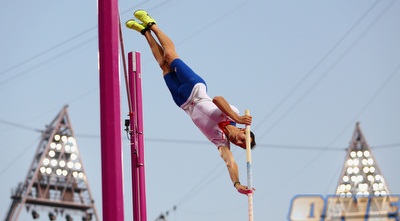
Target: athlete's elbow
230	164
229	161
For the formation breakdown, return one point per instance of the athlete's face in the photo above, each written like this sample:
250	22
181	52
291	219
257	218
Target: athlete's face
238	138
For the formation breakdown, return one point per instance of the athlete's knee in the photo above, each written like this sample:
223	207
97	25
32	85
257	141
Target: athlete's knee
170	55
164	65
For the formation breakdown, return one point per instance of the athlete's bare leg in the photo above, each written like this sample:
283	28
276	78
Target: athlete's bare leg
166	43
158	53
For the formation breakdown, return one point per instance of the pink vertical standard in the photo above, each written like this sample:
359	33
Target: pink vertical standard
110	116
137	138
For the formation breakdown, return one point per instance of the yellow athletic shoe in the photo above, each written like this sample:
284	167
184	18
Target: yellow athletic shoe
132	24
145	18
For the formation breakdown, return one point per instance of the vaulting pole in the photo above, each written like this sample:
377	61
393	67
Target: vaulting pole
110	119
137	138
249	173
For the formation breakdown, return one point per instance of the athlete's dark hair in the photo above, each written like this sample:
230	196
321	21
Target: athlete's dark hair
253	140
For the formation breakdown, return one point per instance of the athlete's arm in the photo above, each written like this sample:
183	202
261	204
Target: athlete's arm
233	169
224	106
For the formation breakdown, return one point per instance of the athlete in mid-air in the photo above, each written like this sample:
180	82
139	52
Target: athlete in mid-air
215	118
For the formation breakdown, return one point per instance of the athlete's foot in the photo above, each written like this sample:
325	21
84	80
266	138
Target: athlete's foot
145	18
132	24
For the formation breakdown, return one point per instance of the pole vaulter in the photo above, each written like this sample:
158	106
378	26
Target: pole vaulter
215	117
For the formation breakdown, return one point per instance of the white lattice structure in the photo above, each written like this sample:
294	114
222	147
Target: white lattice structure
361	175
361	194
56	181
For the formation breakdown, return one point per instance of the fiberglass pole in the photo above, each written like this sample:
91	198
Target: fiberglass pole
249	173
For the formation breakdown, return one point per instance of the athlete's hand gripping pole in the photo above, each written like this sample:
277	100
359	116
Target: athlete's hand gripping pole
249	175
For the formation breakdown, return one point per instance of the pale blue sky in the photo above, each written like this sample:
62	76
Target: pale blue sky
307	70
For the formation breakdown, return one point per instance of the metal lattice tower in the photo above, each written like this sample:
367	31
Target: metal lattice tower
56	180
361	194
361	175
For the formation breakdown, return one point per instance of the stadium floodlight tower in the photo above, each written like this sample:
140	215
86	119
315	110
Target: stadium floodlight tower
56	181
361	176
361	194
